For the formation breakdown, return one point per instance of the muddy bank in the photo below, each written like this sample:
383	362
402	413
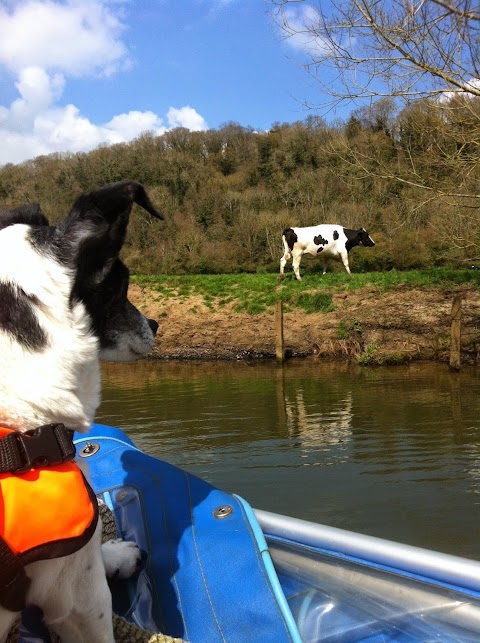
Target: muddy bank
366	325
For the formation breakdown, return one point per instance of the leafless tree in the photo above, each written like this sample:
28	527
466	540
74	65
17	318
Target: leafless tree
423	56
411	71
399	48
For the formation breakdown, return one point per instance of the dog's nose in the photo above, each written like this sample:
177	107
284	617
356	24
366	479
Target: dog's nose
153	325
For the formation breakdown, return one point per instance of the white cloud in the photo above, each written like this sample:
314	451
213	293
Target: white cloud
128	126
471	90
64	129
300	30
37	92
186	117
78	38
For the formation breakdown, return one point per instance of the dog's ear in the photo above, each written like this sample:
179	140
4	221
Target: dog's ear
115	201
30	214
97	223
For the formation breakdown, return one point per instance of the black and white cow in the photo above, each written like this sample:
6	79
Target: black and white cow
328	241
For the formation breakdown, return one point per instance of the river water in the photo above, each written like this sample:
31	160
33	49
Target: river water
392	452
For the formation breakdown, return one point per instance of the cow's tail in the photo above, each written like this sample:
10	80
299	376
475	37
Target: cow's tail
286	253
289	238
286	250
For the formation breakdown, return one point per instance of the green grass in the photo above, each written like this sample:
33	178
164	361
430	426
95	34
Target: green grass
257	293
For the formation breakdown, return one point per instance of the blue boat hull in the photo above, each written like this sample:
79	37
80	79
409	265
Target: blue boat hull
204	576
208	572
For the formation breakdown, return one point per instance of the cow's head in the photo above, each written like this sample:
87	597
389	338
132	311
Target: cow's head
357	237
365	238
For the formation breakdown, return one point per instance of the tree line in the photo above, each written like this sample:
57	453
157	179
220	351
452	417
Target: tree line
409	175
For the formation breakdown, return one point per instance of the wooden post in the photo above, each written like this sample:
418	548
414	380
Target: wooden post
455	344
279	342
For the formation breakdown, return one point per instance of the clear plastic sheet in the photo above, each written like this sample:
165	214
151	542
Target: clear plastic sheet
335	599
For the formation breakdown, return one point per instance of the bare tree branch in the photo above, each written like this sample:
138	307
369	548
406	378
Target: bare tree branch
425	54
404	48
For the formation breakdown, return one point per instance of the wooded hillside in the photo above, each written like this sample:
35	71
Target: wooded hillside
410	178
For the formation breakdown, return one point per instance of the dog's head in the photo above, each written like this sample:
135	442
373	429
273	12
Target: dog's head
63	303
90	239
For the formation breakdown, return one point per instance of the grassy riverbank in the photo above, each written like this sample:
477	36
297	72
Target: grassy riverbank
376	317
255	293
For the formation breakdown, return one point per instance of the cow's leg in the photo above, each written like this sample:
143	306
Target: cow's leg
325	266
344	258
296	264
283	262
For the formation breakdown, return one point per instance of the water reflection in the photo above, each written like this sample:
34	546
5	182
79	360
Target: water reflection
390	452
318	429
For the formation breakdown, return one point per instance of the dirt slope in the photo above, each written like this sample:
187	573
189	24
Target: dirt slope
391	327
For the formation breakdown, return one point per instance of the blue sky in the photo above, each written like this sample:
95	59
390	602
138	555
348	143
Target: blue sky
78	73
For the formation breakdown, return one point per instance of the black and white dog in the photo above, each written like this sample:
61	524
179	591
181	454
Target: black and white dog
63	307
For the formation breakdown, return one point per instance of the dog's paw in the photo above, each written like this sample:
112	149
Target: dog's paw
121	558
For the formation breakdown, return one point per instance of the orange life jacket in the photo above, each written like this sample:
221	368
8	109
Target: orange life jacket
46	512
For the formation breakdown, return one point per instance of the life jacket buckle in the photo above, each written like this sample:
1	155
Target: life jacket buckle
44	446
